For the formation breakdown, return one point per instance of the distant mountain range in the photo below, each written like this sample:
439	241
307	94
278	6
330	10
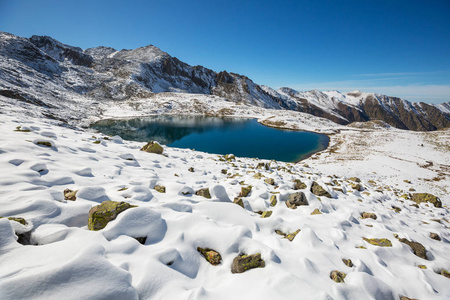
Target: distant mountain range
42	71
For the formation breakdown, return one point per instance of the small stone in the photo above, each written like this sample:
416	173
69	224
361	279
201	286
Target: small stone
100	215
153	147
224	171
212	256
229	157
299	185
407	181
397	209
417	248
347	262
273	200
141	239
337	276
191	169
204	193
70	195
316	212
19	129
245	191
292	235
318	190
296	199
44	143
160	188
406	298
97	142
422	266
379	242
366	215
412	190
445	273
435	236
270	181
245	262
266	214
122	189
425	197
239	202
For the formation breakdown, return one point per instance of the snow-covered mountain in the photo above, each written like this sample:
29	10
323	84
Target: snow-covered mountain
48	73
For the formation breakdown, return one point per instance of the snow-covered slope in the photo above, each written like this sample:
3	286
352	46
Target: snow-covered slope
40	159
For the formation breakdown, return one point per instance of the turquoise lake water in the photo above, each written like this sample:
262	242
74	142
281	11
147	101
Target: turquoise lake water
241	137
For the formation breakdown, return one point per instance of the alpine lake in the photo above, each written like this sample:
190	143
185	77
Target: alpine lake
241	137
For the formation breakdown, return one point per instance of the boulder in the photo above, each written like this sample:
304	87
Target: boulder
212	256
100	215
425	197
153	147
316	212
318	190
435	236
417	248
266	214
160	188
245	191
355	179
296	199
357	187
70	195
379	242
299	185
258	176
367	215
246	262
204	193
229	157
337	276
347	262
270	181
273	200
239	202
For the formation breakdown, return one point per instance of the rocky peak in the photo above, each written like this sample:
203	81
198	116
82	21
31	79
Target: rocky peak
60	51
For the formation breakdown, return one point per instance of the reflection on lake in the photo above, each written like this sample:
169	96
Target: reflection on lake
242	137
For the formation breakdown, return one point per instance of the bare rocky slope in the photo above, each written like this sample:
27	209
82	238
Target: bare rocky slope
49	74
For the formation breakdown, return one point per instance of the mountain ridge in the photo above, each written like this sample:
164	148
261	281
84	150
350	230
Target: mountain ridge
41	67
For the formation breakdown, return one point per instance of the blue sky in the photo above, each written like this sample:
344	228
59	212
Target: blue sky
399	48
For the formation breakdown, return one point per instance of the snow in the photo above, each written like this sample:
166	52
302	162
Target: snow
68	261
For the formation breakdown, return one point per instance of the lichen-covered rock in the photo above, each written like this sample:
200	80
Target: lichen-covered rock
367	215
445	273
291	236
337	276
435	236
357	187
153	147
204	193
270	181
20	129
406	298
239	202
245	262
318	190
100	215
212	256
70	195
296	199
245	191
266	214
379	242
417	248
425	197
19	220
258	176
316	212
396	209
160	188
273	200
299	185
229	157
347	262
355	179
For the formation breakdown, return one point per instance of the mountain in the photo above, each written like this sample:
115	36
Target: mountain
47	73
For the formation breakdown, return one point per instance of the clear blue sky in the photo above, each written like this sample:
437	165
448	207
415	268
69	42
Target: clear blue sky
399	48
